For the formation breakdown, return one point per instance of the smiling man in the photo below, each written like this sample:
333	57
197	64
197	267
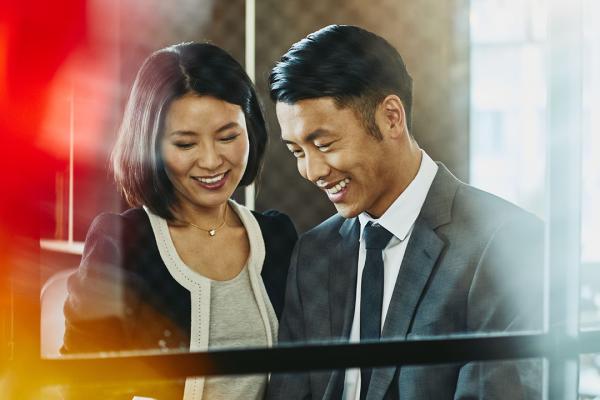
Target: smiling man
412	252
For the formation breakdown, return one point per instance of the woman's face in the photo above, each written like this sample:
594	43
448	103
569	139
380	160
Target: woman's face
205	149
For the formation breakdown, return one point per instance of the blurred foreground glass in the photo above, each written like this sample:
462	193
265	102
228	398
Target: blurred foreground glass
590	213
499	379
589	377
509	116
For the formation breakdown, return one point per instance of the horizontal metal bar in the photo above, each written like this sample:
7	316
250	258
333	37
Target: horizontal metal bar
310	357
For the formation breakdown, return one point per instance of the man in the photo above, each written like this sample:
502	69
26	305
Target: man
412	251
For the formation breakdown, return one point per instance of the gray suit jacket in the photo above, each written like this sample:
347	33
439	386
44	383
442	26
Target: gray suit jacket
474	263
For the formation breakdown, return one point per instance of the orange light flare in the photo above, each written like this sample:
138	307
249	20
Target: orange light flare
36	37
60	82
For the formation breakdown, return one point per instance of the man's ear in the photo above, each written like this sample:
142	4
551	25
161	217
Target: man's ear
391	117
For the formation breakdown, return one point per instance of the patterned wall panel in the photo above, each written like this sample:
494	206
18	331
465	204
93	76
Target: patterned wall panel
432	37
152	24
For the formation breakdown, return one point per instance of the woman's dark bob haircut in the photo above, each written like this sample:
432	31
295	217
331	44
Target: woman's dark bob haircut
166	75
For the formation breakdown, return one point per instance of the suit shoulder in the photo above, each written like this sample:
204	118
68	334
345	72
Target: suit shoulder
326	228
479	207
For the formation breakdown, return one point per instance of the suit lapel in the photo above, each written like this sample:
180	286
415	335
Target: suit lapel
422	252
419	260
342	279
421	255
342	293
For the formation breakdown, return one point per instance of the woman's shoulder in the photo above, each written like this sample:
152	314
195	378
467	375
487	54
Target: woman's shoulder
132	222
273	221
129	216
271	214
124	240
279	234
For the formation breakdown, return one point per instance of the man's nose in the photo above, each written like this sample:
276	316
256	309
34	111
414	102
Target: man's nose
316	167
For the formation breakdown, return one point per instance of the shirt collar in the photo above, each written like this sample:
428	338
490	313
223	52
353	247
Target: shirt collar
403	212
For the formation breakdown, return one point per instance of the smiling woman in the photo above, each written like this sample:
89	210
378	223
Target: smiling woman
186	267
205	151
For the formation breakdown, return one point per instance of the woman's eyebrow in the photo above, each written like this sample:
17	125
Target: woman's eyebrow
227	126
182	133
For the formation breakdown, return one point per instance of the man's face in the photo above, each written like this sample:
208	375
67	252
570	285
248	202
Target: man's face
334	151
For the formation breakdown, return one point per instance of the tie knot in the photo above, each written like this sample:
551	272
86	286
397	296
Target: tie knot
376	236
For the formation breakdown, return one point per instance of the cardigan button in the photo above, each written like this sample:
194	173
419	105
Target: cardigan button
167	333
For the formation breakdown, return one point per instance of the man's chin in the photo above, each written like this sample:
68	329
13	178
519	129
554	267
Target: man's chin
346	211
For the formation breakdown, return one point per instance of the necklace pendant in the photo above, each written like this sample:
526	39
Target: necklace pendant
212	232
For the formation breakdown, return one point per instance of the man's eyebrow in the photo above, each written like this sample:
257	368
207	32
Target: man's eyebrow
310	137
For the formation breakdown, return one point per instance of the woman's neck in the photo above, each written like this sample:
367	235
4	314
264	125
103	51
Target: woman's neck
207	217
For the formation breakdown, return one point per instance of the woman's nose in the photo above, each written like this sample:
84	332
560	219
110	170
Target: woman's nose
209	158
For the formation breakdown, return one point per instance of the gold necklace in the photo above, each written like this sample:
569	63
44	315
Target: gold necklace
212	231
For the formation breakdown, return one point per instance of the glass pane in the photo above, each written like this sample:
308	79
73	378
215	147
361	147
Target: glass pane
508	379
86	101
508	109
508	112
591	139
589	377
116	297
154	389
101	294
450	288
494	21
590	221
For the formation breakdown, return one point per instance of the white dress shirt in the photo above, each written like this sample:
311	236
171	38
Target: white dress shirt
399	219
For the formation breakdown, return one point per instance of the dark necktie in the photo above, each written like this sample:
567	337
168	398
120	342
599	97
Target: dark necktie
371	292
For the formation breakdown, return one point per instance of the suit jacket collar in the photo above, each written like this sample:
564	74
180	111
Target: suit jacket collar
437	208
342	293
342	278
423	250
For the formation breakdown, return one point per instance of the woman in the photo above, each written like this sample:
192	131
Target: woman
187	267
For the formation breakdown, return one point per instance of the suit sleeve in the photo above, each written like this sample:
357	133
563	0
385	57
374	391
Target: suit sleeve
291	330
95	306
506	296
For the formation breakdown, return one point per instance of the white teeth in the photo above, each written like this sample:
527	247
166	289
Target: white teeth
211	180
339	186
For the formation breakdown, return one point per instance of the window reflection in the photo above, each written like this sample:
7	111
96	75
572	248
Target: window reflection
589	377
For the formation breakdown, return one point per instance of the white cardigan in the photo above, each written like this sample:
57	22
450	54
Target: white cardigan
199	286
